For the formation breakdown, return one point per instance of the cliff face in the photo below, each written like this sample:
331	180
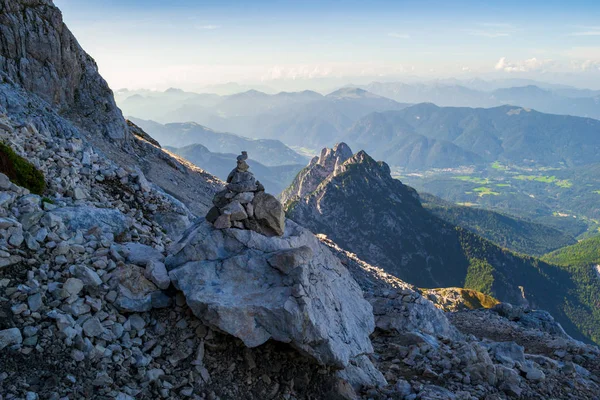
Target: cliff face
40	54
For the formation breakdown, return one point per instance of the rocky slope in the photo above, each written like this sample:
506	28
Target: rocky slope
108	290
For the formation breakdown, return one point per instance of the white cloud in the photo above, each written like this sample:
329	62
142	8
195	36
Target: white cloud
399	35
587	65
529	65
209	27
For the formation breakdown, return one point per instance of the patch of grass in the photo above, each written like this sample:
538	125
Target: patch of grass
496	165
485	191
563	183
472	179
20	171
596	191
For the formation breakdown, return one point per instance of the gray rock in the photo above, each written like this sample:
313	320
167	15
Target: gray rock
92	327
235	210
73	286
51	64
173	223
79	194
134	291
253	301
140	254
34	302
269	214
5	183
90	218
88	276
137	322
157	273
10	337
223	222
286	260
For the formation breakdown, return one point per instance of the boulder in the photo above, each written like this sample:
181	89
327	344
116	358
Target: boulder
230	284
134	290
140	254
89	218
269	214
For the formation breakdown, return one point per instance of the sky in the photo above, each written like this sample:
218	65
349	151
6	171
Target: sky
193	44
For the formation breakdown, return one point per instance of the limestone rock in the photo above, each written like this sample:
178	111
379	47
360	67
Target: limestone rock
269	214
43	56
229	284
134	291
88	218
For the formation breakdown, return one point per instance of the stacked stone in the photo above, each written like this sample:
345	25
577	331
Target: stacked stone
243	204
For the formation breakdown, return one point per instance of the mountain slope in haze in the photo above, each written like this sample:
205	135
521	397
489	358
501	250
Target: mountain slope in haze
545	98
391	138
305	119
274	178
515	234
365	211
266	151
507	133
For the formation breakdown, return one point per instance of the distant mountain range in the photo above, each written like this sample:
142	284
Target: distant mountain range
266	151
427	136
274	178
367	212
549	99
304	119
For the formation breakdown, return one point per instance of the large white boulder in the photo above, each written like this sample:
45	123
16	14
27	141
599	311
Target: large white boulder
290	288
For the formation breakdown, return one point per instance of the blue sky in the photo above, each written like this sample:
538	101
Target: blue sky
189	44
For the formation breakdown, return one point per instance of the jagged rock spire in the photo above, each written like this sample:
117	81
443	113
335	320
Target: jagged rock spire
243	204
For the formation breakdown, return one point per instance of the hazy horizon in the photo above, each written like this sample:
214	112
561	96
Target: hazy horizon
322	45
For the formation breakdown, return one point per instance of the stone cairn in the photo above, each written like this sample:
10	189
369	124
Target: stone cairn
243	204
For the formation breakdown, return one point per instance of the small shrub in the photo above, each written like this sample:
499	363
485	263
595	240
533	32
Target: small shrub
20	171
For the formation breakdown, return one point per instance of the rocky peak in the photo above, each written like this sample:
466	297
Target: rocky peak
365	210
318	169
365	162
330	159
40	54
243	204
